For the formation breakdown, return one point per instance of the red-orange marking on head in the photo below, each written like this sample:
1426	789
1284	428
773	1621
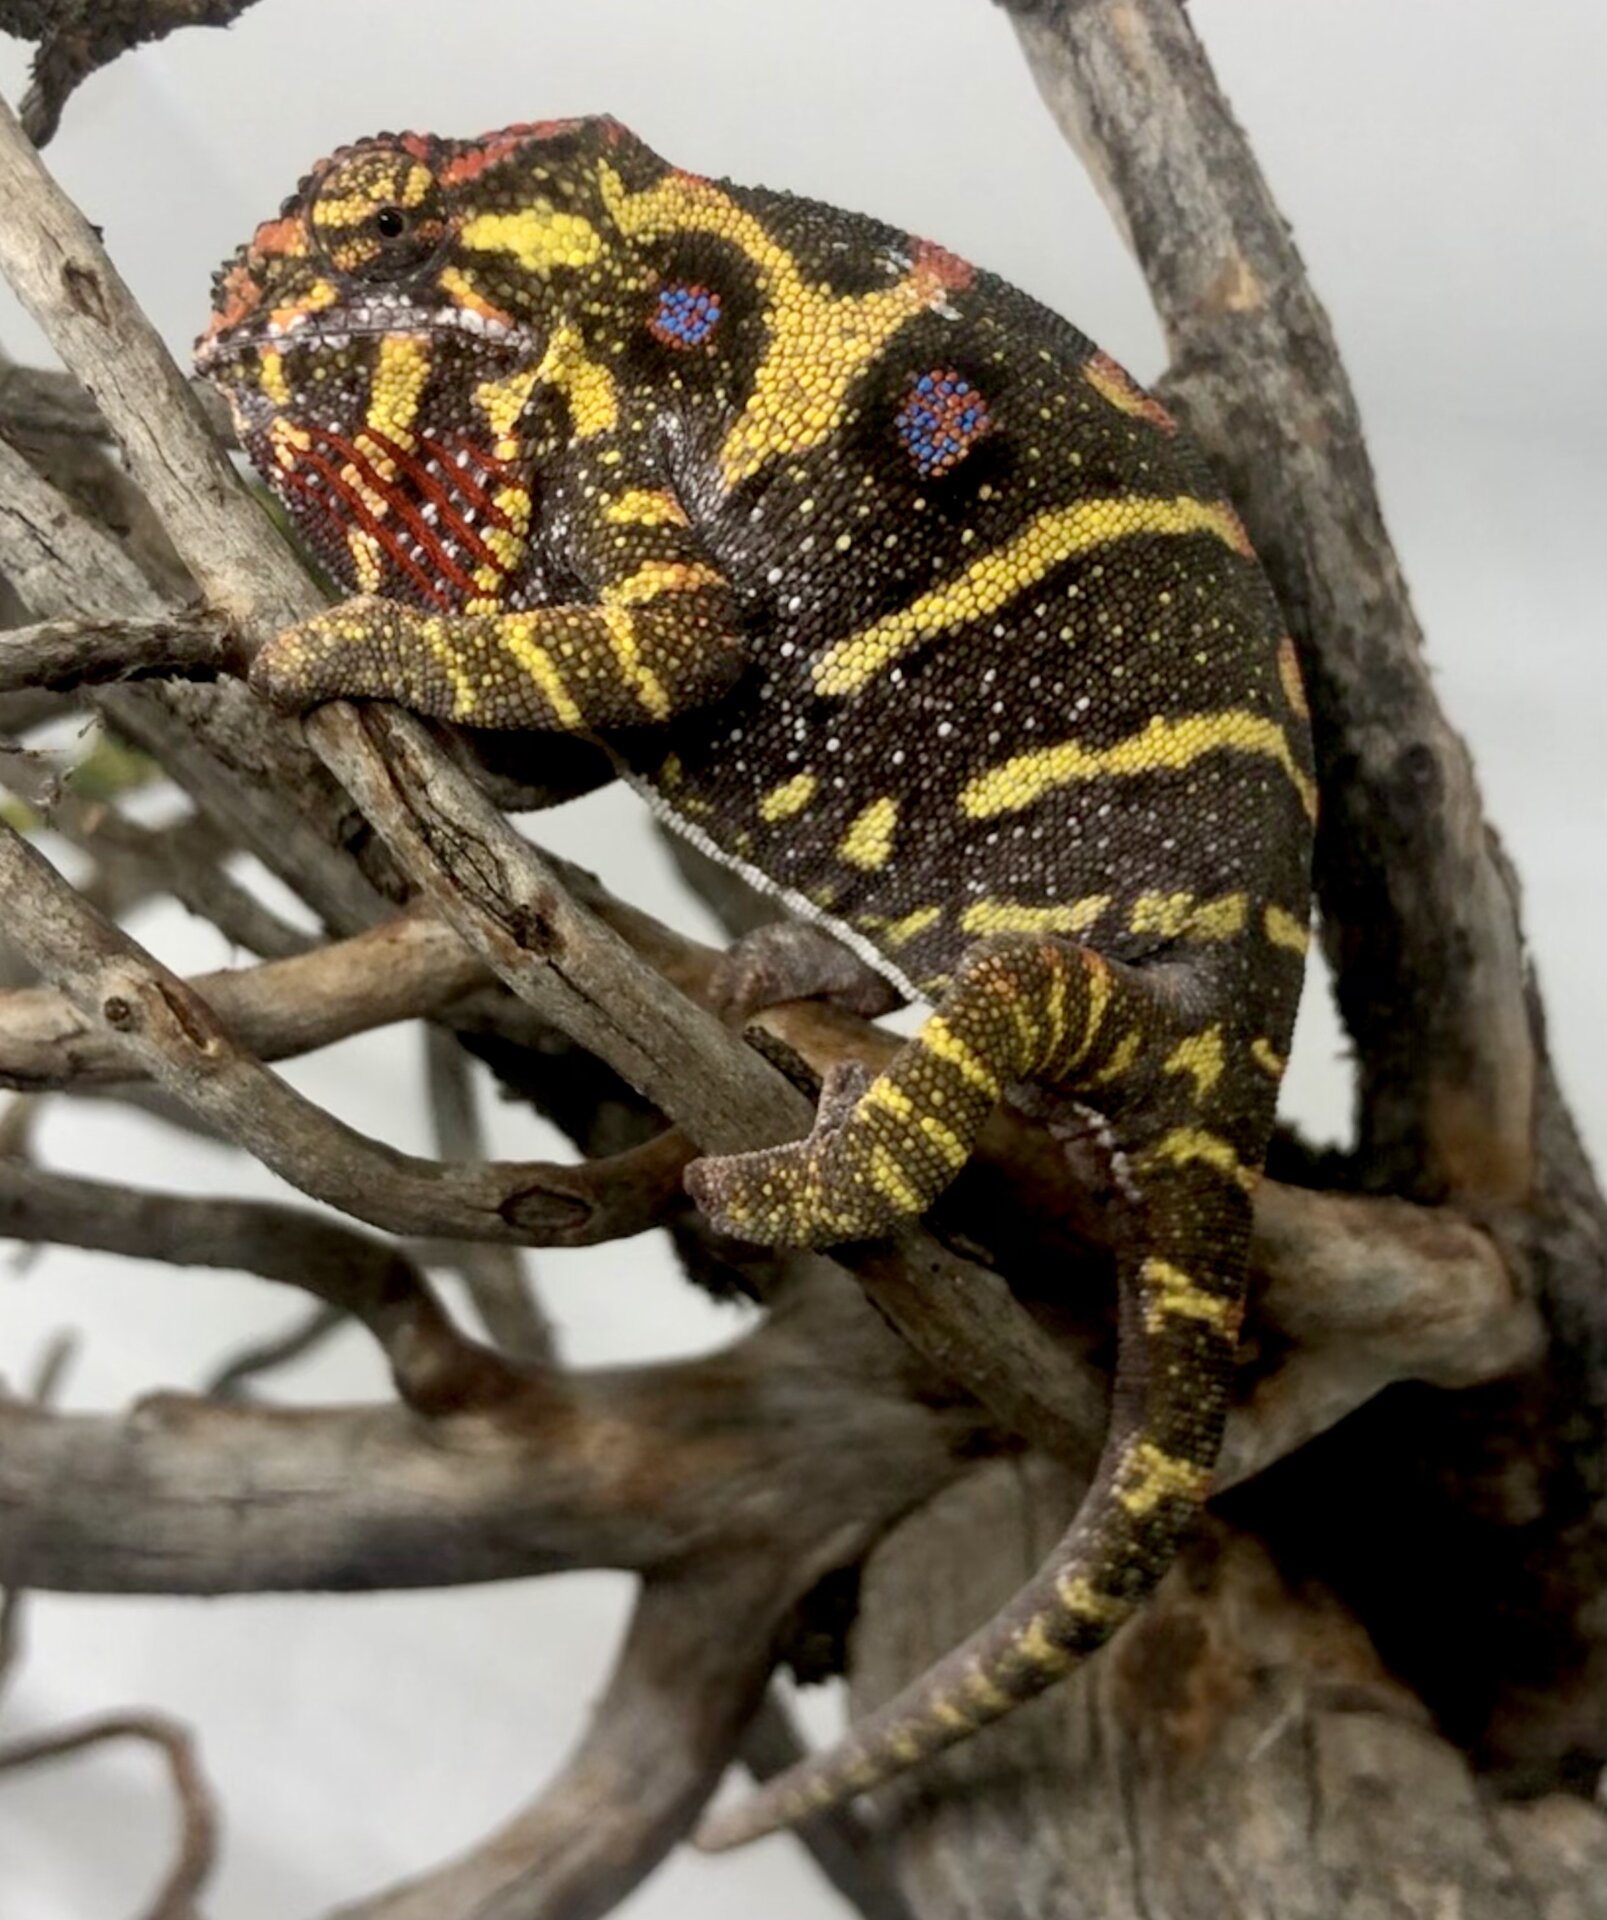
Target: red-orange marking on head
237	297
491	149
275	239
946	269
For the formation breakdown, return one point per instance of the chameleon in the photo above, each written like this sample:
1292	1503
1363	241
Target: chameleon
892	592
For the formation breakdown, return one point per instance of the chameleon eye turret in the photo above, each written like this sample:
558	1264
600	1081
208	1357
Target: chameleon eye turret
891	591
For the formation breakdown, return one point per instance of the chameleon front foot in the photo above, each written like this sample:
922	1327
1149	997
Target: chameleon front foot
366	648
791	960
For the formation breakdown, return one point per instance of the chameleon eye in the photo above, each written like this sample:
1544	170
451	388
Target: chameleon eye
390	223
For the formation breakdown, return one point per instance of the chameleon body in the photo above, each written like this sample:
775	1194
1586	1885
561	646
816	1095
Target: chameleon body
890	590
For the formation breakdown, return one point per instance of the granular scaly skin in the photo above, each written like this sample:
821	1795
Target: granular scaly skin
889	590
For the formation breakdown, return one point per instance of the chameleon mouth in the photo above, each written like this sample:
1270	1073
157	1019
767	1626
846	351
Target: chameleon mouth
334	330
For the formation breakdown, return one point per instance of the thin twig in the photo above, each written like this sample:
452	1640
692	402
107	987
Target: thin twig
197	1853
494	1277
249	1363
434	1365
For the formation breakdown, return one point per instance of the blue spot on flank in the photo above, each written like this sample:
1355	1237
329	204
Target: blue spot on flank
942	420
685	316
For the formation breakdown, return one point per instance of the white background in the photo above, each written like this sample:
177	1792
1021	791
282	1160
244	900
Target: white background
1443	166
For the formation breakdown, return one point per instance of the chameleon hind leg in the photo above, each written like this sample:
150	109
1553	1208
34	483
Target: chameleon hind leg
1101	1034
1015	1012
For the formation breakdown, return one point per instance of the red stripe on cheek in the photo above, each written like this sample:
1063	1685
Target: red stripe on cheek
425	535
432	489
338	490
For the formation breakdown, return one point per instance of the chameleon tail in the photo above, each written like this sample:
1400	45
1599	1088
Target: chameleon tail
1181	1281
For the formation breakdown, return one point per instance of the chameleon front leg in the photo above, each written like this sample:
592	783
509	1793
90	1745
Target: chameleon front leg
659	637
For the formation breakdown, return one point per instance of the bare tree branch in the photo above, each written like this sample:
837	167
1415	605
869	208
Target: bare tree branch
434	1366
77	36
232	1380
185	1879
494	1276
1430	979
661	1736
59	655
406	968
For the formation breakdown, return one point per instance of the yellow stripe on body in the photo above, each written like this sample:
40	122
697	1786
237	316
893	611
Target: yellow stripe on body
1184	1146
538	237
1149	1474
1165	745
898	933
939	1038
1100	985
979	1688
1176	1292
620	625
1083	1600
465	693
1175	915
368	561
816	343
868	843
502	402
401	369
1010	916
1039	1651
1284	930
1202	1056
1126	1051
993	580
655	577
889	1180
585	384
791	797
645	507
516	634
271	376
1267	1057
951	1148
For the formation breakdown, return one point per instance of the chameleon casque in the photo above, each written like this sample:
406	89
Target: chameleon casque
892	592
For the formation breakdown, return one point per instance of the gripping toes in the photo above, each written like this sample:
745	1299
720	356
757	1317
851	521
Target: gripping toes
811	1193
367	648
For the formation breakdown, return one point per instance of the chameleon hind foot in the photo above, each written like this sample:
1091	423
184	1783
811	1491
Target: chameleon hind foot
1016	1010
782	1196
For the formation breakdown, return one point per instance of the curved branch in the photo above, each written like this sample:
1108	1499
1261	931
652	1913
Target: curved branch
639	1468
434	1366
408	967
198	1840
660	1739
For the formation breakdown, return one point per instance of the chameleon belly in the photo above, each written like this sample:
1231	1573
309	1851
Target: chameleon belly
896	594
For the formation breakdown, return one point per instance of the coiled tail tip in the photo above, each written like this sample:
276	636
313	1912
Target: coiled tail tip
753	1819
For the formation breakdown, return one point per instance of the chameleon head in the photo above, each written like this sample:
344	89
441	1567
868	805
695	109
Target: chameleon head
378	342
